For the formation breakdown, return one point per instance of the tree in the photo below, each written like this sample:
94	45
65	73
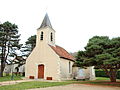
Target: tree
80	57
29	45
103	53
20	61
9	42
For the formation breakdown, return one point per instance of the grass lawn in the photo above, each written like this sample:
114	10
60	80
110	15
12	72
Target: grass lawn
8	78
32	84
39	84
101	81
102	78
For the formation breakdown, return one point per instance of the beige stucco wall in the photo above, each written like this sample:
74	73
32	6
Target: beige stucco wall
43	54
50	62
92	73
87	72
46	33
75	71
64	68
54	66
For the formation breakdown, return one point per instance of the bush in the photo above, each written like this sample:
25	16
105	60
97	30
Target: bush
100	73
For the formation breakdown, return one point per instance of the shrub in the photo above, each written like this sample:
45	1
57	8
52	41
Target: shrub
100	73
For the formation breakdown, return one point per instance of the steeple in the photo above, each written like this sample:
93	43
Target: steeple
45	35
46	22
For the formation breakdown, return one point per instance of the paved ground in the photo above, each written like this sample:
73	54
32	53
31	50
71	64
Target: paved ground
79	87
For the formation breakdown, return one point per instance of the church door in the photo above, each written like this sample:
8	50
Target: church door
40	71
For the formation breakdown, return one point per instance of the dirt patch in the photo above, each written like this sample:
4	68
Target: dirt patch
112	83
78	87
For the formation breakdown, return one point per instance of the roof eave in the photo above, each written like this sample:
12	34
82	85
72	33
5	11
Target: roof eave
68	59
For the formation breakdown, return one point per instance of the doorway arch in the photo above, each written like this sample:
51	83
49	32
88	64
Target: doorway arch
41	71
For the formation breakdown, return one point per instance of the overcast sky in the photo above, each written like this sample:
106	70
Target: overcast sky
75	21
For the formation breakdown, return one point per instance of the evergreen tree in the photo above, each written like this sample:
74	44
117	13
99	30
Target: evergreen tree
102	52
9	42
29	45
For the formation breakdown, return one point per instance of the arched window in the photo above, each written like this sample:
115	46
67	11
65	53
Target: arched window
51	36
69	67
41	36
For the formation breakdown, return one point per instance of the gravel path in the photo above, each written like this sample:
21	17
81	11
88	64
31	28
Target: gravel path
79	87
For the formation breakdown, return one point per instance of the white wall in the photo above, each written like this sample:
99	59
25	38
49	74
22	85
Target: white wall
64	68
46	56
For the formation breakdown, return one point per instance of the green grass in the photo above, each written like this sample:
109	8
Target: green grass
102	78
39	84
97	78
32	84
101	81
8	78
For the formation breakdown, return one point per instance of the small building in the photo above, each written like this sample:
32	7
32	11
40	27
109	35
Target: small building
47	60
84	73
17	66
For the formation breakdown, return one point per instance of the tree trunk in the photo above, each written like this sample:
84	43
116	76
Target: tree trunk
112	73
2	68
113	78
2	62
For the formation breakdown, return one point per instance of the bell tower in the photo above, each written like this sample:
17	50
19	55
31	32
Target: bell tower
45	33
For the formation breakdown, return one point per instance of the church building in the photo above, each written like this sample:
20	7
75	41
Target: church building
47	60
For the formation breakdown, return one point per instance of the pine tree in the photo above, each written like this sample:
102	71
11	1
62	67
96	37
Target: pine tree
9	42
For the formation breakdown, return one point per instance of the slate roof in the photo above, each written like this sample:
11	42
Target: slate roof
46	22
62	52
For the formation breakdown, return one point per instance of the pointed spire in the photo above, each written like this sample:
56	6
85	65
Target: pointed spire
46	21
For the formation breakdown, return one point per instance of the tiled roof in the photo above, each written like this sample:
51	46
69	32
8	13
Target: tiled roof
62	52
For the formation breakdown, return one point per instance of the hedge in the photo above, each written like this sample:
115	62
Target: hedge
103	74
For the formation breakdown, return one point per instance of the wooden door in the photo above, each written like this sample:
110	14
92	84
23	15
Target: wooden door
40	71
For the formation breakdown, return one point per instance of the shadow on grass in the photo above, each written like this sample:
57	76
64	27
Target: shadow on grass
100	82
